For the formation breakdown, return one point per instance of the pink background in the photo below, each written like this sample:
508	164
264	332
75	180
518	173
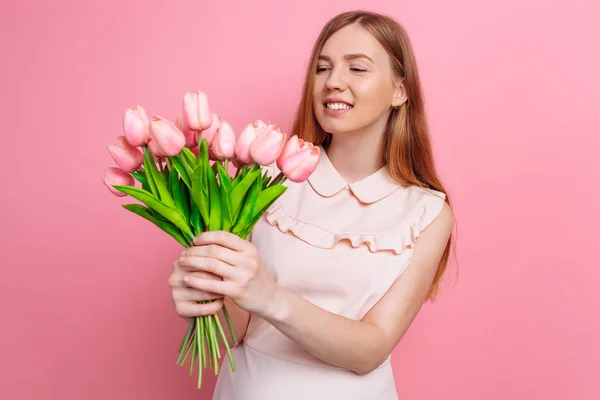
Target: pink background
513	95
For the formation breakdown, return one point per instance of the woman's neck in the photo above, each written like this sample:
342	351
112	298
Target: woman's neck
356	156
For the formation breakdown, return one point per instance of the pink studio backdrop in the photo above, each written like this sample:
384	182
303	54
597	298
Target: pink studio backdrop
512	90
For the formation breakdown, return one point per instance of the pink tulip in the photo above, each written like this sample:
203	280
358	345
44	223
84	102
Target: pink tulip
242	147
154	149
169	139
196	113
191	136
223	145
259	124
267	146
298	159
293	145
118	177
126	156
135	126
210	132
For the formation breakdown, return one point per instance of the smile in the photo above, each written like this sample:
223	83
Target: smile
338	106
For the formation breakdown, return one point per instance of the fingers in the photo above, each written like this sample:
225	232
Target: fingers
219	287
191	309
223	238
188	294
211	265
217	251
176	278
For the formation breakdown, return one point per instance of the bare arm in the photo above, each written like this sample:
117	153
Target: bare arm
361	346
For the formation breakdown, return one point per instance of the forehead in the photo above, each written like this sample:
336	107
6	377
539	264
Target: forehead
353	39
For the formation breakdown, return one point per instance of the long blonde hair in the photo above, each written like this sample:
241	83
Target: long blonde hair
408	151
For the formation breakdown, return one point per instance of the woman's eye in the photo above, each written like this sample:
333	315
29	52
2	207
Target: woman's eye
358	70
321	69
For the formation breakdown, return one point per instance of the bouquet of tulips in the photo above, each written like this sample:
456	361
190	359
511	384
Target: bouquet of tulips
186	188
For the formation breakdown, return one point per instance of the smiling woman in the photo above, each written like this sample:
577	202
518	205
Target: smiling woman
339	266
353	92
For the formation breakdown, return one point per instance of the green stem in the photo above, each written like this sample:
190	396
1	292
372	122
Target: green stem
224	338
230	325
215	346
194	355
202	340
197	344
184	342
187	353
280	178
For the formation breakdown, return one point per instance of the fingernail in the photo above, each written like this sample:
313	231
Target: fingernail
186	278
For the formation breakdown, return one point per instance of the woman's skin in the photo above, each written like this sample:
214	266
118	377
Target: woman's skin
353	69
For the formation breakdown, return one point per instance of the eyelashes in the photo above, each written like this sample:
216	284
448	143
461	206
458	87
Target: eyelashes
320	70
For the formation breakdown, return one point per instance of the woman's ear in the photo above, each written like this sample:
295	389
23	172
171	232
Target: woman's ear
400	96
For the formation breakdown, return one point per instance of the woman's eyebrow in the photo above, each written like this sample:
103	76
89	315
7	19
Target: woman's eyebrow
352	56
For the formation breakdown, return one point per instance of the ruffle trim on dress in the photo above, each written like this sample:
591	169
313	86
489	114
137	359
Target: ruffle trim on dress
397	242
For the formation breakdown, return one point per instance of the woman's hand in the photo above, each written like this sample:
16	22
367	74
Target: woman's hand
185	299
236	261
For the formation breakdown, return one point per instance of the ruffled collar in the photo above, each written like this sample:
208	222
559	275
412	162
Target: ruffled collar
327	182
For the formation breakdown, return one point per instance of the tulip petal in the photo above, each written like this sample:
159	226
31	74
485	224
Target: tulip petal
114	177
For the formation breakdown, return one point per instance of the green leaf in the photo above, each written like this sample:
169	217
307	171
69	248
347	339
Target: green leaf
189	157
159	180
196	221
200	193
240	176
148	164
172	214
238	193
183	168
225	188
165	226
266	178
175	187
140	175
185	199
224	178
258	212
215	203
247	209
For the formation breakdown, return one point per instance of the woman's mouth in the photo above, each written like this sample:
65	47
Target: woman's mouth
337	108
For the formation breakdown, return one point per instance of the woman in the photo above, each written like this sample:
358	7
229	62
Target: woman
337	269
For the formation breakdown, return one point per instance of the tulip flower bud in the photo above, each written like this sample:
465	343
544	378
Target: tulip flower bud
210	132
267	146
298	159
168	138
191	136
135	126
196	113
242	147
126	156
223	146
118	177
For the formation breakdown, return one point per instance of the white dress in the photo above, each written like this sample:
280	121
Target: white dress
340	246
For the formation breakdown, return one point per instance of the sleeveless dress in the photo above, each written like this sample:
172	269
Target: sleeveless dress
341	246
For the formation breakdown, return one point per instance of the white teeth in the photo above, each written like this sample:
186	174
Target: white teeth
338	106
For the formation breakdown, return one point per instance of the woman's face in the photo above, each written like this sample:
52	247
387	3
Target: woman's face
354	85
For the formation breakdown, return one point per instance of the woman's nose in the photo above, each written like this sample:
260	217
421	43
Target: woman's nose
335	81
